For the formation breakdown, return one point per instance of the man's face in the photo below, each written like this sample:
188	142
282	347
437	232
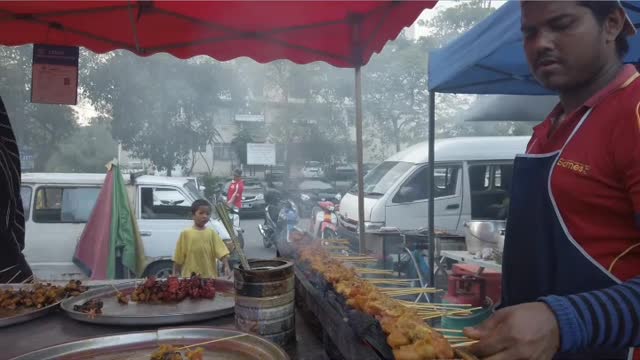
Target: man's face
564	43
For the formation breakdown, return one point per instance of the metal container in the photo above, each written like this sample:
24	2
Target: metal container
13	318
140	314
140	345
265	298
480	234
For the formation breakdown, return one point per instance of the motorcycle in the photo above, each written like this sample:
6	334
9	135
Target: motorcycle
280	218
324	220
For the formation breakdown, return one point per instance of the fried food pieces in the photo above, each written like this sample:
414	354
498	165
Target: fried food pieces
170	352
39	295
92	308
171	290
408	335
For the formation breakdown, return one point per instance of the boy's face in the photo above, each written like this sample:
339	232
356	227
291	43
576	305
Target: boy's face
202	215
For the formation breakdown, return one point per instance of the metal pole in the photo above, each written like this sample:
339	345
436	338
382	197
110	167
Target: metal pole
430	210
360	159
119	152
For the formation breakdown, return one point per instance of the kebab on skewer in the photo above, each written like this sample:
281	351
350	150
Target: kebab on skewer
407	334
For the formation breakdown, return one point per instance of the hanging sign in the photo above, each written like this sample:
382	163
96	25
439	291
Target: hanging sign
54	74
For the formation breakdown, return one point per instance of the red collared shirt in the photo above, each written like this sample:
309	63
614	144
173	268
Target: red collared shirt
596	181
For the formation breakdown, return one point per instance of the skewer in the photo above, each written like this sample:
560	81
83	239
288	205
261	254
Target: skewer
211	341
456	338
434	315
464	344
374	271
448	330
27	279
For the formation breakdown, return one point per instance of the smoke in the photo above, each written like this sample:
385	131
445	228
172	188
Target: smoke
509	108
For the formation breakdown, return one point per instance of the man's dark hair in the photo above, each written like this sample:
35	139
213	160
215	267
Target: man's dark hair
196	205
602	9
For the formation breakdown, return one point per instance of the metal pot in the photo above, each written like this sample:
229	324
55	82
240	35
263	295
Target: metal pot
480	234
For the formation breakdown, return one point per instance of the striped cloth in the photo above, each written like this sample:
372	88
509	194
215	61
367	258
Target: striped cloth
12	263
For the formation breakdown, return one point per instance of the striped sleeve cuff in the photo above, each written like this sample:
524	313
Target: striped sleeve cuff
572	332
603	318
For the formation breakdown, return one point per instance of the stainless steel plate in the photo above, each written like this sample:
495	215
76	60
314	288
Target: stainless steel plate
140	345
139	314
25	314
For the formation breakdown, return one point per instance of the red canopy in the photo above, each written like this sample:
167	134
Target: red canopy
341	33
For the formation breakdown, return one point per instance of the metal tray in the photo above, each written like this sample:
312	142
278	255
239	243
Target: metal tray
26	314
138	314
140	345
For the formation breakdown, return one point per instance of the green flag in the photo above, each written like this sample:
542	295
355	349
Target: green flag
124	231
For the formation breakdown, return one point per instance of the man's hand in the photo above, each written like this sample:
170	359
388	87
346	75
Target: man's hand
227	271
522	332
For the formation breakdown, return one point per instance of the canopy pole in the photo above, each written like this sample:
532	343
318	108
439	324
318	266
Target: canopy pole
360	159
430	208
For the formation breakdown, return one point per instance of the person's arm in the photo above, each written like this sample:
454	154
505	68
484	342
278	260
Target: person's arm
179	255
221	252
227	268
603	318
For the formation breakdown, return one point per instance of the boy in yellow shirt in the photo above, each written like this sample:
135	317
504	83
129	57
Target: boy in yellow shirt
198	247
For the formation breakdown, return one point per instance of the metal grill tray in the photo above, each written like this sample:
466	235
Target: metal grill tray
140	345
25	314
140	314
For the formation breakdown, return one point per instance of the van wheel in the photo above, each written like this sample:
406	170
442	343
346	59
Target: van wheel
159	269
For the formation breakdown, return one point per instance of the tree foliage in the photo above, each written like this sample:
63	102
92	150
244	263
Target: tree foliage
163	108
38	126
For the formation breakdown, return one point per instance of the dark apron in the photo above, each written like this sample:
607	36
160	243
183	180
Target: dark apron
540	256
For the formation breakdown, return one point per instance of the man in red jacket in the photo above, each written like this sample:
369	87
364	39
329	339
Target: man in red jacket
234	195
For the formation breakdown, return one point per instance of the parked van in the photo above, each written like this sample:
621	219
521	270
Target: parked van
472	181
57	208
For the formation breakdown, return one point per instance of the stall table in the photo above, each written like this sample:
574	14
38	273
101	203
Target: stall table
57	328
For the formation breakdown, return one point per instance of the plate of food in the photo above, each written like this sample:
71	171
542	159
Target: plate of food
154	302
23	302
191	343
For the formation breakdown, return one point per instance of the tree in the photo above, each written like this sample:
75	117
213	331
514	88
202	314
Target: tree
163	108
454	21
89	150
239	143
38	126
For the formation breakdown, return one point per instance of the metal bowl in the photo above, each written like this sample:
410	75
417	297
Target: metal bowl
480	234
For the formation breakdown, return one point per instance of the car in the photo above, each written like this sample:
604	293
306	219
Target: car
307	193
252	197
312	170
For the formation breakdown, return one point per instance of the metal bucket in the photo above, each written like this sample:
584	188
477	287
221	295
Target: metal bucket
265	298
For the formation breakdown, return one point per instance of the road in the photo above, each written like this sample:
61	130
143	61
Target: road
253	247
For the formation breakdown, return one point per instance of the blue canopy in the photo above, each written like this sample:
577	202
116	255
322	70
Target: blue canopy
489	58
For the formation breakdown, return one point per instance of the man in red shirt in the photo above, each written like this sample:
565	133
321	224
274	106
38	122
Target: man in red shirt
571	267
234	195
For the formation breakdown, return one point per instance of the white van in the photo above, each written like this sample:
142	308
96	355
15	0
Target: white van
57	207
472	174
